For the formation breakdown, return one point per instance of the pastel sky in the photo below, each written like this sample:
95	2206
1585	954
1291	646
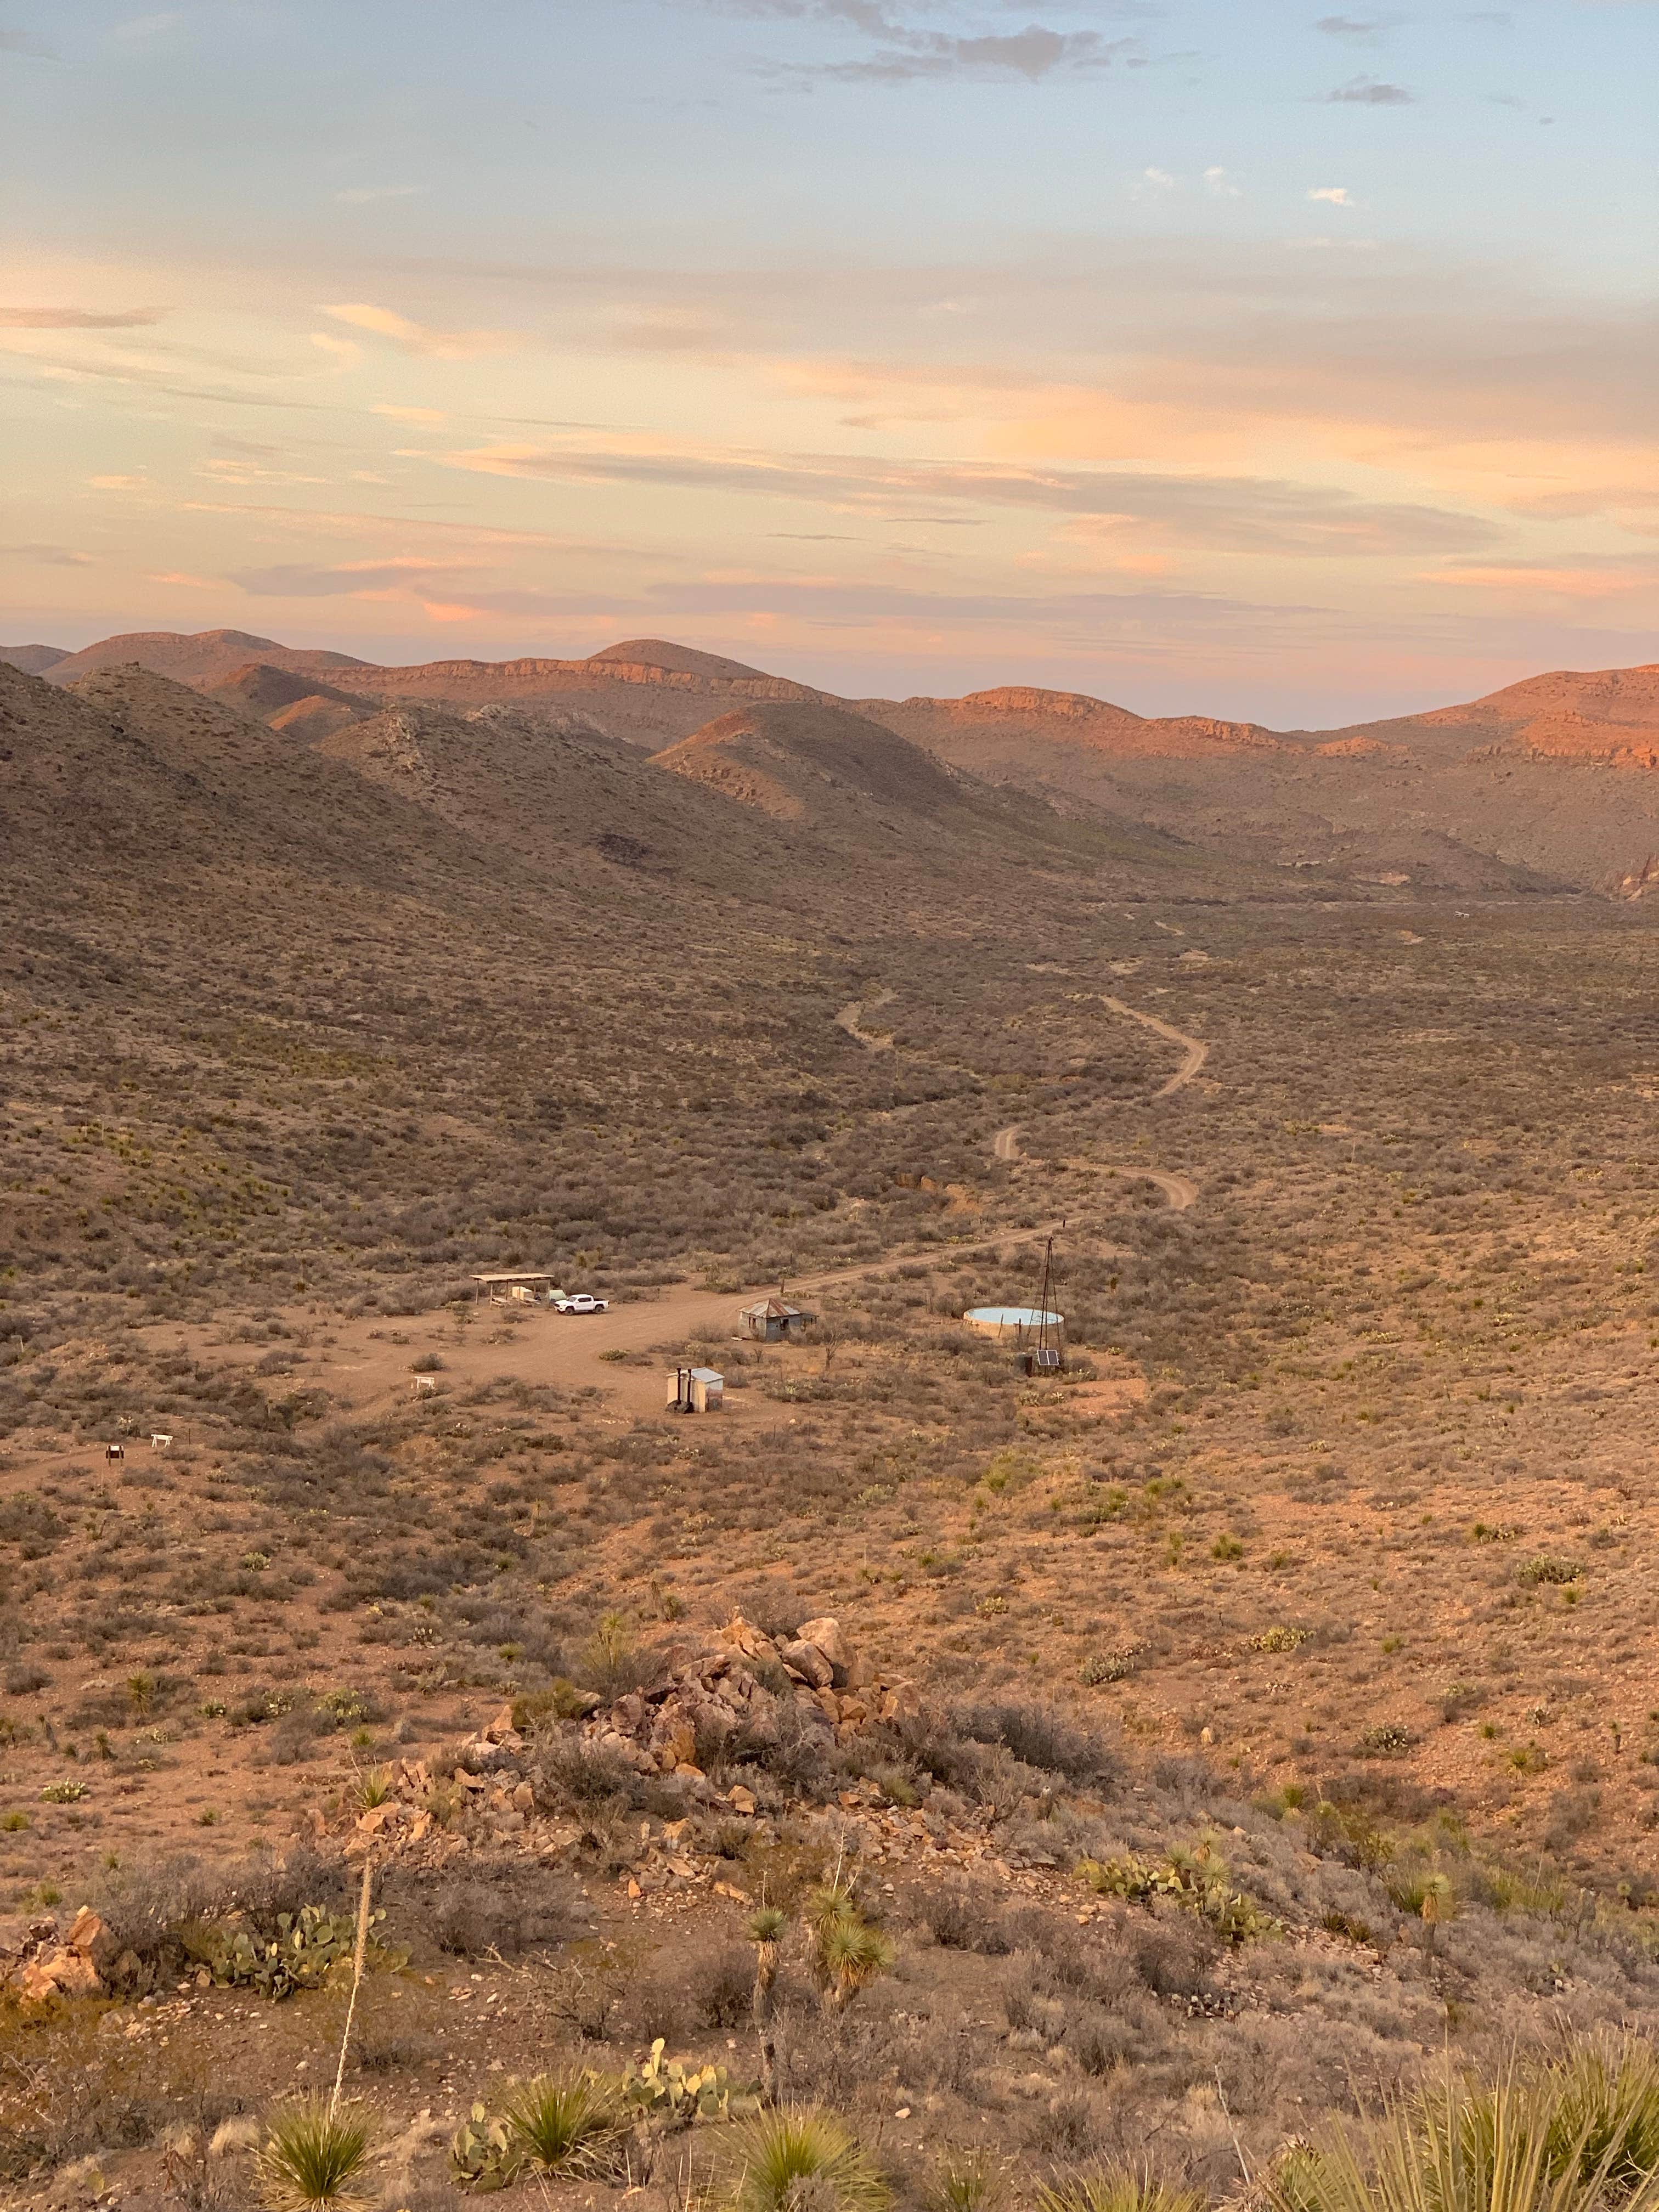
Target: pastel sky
1214	356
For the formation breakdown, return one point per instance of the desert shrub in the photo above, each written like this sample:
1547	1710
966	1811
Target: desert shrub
1067	2129
784	2160
315	2161
470	1917
580	1776
1040	1738
67	2091
1574	2133
1115	2189
720	1984
1547	1568
962	1919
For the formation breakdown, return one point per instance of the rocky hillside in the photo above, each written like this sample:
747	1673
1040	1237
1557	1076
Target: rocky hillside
1487	795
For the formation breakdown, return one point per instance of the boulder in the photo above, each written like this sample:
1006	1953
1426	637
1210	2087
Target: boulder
481	1754
90	1937
825	1635
59	1972
16	1937
741	1635
810	1662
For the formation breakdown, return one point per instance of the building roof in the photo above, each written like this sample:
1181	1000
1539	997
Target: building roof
706	1375
515	1275
773	1309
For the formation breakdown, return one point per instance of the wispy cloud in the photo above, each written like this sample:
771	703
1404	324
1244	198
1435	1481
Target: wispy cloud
899	49
1238	513
1033	53
1369	92
1334	195
77	318
56	556
305	579
417	338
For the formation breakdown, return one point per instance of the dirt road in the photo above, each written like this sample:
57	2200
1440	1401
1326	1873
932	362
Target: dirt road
1194	1051
1181	1190
852	1015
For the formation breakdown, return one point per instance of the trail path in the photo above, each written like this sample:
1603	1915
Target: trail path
1181	1190
852	1014
1194	1052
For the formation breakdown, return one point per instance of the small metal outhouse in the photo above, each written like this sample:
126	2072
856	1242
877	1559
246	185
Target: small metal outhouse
695	1390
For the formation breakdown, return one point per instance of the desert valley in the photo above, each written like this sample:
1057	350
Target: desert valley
1031	1770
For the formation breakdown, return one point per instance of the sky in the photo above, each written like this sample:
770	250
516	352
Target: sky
1218	356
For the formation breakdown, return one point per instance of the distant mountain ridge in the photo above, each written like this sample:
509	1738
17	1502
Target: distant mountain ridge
33	659
1500	776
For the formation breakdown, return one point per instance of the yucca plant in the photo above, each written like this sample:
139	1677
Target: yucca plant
1605	2115
851	1953
825	1906
559	2123
967	2181
315	2160
790	2161
372	1787
1115	2189
765	1931
1571	2136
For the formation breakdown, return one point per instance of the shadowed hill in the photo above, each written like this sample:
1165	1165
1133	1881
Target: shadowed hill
203	658
33	659
300	706
260	689
811	763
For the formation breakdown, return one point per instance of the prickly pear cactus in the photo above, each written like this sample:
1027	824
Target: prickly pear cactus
481	2152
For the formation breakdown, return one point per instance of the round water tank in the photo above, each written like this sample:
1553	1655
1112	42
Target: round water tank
1017	1323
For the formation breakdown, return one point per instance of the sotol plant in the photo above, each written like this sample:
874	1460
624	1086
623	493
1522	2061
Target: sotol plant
559	2123
1576	2134
315	2160
792	2159
1115	2189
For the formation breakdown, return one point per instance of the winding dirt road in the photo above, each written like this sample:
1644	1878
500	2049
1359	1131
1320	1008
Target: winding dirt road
852	1014
1181	1190
1194	1051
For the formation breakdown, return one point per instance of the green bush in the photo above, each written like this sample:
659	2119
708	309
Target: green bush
801	2157
314	2161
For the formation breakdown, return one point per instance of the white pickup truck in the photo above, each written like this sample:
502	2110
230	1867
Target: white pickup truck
580	1302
